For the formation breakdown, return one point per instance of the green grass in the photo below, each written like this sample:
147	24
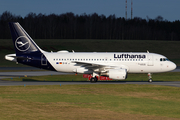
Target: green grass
169	76
169	49
90	102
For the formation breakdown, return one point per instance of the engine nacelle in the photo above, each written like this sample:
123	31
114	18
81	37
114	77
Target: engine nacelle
118	74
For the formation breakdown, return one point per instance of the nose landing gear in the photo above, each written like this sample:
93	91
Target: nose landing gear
150	78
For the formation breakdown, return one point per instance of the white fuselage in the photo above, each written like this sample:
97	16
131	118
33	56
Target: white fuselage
133	62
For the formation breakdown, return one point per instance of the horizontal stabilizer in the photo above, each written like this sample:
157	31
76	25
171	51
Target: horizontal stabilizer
11	57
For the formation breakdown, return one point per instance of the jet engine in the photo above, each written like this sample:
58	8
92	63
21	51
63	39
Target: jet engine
118	74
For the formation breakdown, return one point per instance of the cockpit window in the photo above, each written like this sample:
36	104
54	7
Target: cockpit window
164	59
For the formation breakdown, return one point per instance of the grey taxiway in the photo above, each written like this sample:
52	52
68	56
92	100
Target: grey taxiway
41	73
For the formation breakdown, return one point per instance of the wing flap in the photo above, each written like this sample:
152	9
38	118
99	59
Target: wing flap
90	64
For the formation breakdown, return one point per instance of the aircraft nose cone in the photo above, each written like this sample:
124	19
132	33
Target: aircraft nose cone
173	66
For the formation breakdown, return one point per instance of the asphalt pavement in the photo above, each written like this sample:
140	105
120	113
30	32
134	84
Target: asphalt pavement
27	83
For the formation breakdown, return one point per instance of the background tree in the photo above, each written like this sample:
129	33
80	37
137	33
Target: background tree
91	26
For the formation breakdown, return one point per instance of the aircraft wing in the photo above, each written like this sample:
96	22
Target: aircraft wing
101	67
90	64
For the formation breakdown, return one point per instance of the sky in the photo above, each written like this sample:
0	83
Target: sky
168	9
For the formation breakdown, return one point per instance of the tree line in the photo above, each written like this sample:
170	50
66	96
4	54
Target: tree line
91	26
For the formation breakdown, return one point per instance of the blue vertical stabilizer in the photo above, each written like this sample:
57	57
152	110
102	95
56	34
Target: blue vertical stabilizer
23	43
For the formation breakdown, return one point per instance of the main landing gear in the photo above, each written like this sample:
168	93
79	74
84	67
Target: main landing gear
93	79
150	78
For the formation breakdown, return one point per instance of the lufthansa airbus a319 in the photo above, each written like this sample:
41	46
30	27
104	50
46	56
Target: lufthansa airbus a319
115	65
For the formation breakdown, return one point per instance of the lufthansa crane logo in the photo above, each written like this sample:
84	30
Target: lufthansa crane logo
22	43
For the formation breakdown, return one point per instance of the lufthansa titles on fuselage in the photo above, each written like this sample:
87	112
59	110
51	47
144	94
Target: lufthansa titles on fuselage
129	56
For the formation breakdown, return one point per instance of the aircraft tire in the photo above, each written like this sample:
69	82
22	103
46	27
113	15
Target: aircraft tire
93	80
150	80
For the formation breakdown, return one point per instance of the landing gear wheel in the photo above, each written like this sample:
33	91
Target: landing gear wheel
150	80
93	80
